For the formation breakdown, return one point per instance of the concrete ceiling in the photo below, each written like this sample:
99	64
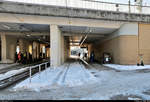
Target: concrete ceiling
92	30
93	34
27	31
17	27
14	27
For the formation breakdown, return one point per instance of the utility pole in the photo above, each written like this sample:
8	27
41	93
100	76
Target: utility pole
129	6
139	5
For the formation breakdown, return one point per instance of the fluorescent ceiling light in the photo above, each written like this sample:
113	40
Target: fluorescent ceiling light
28	35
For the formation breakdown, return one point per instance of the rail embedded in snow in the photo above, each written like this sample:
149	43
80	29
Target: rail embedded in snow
70	75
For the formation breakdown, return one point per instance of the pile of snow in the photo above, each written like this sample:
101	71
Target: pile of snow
11	73
66	75
127	67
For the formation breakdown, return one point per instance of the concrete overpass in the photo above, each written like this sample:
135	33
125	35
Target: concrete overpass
61	25
71	12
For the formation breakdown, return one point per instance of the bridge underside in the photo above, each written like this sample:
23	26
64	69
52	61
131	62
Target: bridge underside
125	44
53	35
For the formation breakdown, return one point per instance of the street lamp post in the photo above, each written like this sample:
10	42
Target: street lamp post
129	6
139	5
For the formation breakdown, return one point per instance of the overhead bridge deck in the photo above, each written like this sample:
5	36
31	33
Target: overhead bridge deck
74	12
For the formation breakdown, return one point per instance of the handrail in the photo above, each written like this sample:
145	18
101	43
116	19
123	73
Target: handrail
26	68
39	66
113	3
18	76
91	5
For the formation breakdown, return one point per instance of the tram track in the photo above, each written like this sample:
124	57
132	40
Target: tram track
6	82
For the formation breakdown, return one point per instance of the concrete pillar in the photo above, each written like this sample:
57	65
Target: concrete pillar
27	49
56	44
41	49
45	52
8	47
62	49
21	45
48	52
38	50
3	47
66	49
34	50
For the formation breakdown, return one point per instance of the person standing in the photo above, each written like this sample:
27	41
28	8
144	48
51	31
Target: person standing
24	57
16	57
19	57
92	56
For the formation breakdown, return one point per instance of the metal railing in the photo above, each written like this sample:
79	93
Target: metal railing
93	4
39	67
29	71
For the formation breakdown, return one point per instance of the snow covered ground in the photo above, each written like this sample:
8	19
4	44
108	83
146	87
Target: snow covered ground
127	67
67	75
73	81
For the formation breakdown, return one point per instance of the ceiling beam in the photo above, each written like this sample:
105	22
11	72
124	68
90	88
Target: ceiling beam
81	34
38	19
26	33
83	40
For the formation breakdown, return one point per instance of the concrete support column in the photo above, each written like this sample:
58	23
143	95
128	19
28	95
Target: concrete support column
56	44
45	52
34	51
3	47
48	52
62	49
8	47
21	45
38	50
66	49
41	49
24	46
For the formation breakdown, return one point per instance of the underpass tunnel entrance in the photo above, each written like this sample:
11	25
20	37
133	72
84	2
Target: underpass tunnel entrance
106	44
79	52
84	42
35	42
24	43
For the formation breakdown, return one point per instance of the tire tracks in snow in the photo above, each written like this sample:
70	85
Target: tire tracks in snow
62	77
55	79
